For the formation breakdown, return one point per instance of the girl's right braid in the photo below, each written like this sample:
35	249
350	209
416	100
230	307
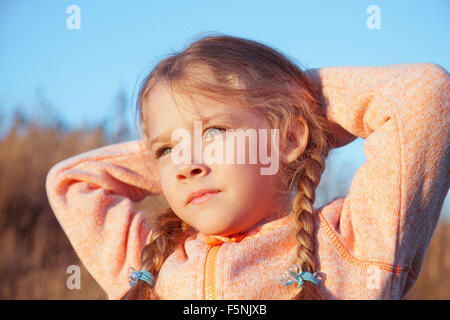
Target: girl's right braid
308	178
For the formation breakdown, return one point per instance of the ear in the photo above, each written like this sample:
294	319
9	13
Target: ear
297	139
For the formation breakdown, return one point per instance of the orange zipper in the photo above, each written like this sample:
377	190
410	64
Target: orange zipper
211	258
210	273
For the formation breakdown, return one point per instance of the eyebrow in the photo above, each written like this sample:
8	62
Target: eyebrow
205	121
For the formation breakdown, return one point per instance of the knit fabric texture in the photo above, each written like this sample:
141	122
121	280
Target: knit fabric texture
370	244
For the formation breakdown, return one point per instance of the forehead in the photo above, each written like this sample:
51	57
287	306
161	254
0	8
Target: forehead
167	110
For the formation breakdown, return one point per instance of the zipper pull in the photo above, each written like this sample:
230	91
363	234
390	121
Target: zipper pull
213	241
218	240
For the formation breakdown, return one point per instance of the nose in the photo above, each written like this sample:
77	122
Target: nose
190	171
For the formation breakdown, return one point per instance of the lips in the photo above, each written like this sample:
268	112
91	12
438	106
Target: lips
203	194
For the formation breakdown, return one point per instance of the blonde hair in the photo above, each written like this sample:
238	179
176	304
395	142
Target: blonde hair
259	77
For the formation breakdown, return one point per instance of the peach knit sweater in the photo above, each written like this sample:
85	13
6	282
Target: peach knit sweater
370	244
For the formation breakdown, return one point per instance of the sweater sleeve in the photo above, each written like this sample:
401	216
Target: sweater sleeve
396	196
92	195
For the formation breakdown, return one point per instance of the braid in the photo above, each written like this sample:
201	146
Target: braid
168	232
309	174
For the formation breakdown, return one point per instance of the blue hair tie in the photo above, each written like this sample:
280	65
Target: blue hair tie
143	275
295	274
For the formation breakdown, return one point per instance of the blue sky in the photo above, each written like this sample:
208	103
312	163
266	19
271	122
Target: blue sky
80	72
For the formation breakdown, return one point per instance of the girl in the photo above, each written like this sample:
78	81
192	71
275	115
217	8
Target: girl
244	235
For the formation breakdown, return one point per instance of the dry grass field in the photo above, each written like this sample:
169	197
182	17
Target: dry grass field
35	252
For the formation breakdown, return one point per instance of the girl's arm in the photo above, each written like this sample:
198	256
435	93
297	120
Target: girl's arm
402	111
92	196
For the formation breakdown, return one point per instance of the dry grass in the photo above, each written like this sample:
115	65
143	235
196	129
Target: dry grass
434	280
35	251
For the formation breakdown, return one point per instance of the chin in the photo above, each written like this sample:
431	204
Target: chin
212	230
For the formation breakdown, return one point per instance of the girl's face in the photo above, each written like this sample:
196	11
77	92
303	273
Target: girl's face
240	196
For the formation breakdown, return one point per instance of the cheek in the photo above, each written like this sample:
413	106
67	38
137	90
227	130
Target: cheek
167	187
246	181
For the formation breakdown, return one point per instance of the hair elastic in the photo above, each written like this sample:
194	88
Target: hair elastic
143	275
295	274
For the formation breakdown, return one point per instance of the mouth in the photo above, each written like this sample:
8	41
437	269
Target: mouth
201	196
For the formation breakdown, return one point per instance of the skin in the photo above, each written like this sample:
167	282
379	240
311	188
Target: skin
246	198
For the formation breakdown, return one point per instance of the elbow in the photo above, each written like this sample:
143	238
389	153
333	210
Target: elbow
50	178
50	185
436	70
438	75
436	85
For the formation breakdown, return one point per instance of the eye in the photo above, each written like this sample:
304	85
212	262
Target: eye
162	151
214	131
